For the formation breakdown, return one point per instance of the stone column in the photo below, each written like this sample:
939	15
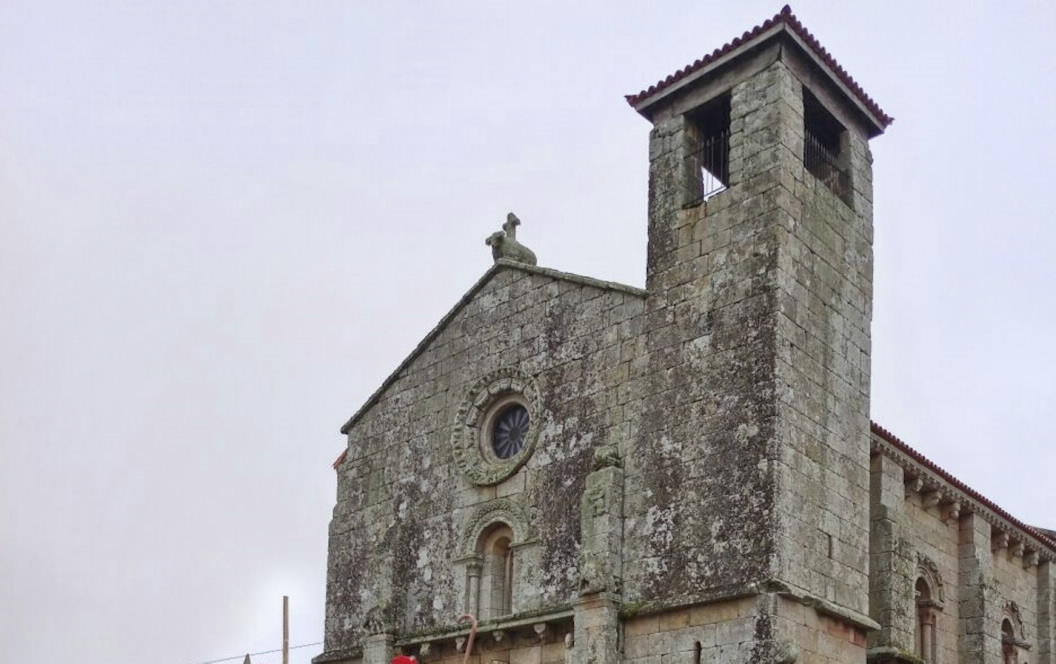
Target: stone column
980	619
1047	612
600	566
378	649
596	630
473	571
891	567
927	634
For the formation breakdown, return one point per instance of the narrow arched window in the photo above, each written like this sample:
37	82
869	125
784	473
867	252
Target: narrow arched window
1008	641
926	646
501	559
497	573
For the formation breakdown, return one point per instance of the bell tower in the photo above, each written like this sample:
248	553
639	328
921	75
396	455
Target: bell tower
756	475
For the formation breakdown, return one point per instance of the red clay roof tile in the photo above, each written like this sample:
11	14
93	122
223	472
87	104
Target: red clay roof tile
935	468
785	17
340	460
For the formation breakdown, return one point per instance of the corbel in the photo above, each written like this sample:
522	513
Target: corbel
1031	558
914	483
951	511
540	630
930	497
999	542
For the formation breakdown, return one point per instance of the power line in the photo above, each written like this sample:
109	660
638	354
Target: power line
263	652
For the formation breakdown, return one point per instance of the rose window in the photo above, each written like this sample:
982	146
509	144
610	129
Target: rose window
497	426
510	431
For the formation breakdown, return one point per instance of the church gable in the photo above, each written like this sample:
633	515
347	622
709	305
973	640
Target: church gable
487	297
480	440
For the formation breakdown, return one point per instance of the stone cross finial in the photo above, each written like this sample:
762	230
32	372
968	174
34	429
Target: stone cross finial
504	243
512	222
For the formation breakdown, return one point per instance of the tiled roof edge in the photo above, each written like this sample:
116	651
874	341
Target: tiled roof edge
340	459
971	493
785	17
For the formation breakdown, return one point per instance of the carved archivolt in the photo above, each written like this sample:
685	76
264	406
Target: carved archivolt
1011	611
468	436
499	510
929	571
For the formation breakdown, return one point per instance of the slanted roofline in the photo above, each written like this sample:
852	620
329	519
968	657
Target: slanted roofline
1051	534
783	24
887	443
501	264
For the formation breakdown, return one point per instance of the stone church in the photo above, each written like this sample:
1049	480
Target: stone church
684	473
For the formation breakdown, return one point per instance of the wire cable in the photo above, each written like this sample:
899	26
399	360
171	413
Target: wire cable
262	652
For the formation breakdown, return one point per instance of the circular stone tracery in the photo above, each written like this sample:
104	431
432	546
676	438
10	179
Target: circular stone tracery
496	426
510	432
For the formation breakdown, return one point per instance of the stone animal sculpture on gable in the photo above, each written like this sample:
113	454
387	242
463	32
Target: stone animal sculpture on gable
504	243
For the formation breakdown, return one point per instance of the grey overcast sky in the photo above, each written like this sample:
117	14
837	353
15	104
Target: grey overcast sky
223	223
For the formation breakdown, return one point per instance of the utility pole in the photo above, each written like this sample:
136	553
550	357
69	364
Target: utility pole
285	629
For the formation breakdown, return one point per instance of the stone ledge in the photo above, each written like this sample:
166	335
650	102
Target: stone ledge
510	623
339	655
575	278
631	610
860	620
525	620
887	655
828	608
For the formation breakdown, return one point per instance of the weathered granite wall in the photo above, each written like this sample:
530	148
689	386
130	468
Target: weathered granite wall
486	650
1046	612
933	536
733	631
1016	585
408	517
892	561
750	459
717	632
979	570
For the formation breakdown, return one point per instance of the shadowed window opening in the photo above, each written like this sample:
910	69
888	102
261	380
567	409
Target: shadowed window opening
510	431
496	581
1008	642
825	147
707	161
